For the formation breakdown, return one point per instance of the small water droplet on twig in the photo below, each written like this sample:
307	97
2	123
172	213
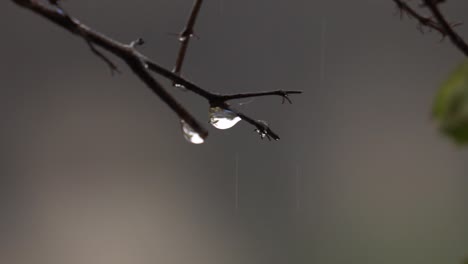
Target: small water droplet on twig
222	118
190	134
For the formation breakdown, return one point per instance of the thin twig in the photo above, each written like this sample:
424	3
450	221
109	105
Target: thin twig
261	127
113	68
186	35
210	96
448	29
283	94
423	21
139	68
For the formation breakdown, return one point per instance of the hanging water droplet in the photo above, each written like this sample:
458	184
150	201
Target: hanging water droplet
263	132
222	118
190	134
180	86
59	10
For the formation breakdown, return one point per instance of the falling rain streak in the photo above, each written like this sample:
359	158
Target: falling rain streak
322	52
298	188
236	191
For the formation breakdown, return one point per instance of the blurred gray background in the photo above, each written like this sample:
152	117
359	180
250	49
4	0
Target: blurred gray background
94	168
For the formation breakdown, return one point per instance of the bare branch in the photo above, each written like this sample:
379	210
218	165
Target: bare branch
221	100
139	68
211	97
283	94
446	26
113	68
186	35
423	21
141	65
155	67
261	127
135	60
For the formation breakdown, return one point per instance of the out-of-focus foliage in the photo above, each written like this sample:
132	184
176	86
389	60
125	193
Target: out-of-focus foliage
450	108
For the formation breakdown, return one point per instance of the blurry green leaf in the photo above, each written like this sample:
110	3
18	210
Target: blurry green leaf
450	108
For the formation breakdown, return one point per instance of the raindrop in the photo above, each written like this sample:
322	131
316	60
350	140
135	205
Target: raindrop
262	133
59	10
180	86
222	118
190	134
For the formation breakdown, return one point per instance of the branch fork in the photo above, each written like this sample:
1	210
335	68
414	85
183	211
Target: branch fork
436	22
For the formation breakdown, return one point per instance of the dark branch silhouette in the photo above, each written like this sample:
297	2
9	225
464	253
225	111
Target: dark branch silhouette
424	21
437	22
448	28
283	94
141	65
133	58
185	36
